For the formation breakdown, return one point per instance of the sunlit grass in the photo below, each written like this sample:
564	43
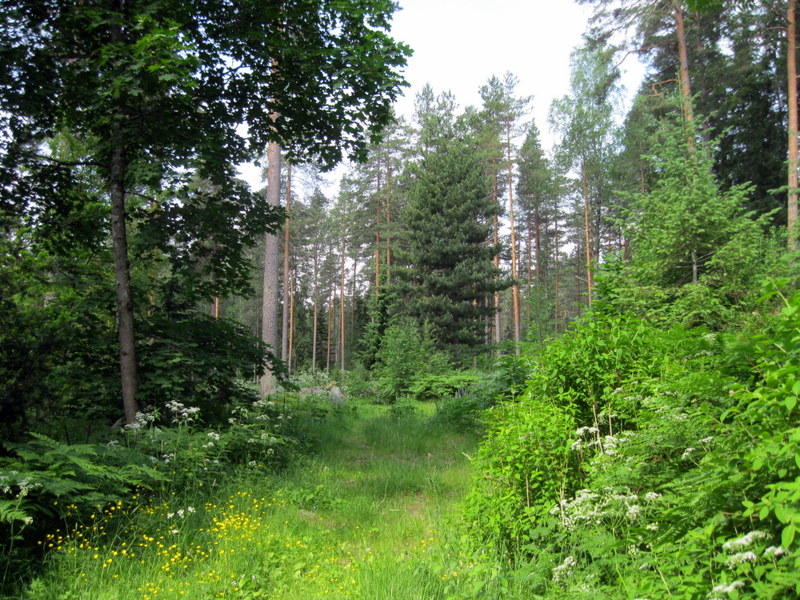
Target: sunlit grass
366	516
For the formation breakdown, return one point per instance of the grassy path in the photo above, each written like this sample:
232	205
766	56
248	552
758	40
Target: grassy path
379	495
368	516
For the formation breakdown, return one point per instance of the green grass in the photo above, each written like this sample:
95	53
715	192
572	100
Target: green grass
367	515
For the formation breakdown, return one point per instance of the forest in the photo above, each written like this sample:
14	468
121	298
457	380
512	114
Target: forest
474	368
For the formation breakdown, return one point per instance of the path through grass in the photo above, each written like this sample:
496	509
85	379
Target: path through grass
369	515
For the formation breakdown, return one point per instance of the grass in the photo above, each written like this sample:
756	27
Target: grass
368	515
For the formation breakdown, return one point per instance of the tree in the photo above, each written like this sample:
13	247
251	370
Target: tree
584	120
503	110
447	276
158	91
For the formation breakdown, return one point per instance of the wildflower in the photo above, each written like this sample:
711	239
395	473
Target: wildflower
707	440
745	541
633	511
741	557
774	551
652	496
564	569
687	453
725	589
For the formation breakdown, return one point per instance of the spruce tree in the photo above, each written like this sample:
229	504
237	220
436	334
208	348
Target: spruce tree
448	276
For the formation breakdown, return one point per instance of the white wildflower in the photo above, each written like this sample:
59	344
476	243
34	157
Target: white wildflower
687	453
564	569
652	527
726	589
707	440
774	551
652	496
180	513
174	531
741	557
745	541
170	515
633	512
213	435
190	509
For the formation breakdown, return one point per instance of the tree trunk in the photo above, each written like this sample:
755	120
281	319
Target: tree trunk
555	273
285	352
269	312
389	223
127	340
791	65
316	315
683	59
586	232
514	254
498	336
291	322
341	310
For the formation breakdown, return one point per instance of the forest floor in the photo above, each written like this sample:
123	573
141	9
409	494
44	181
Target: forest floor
371	514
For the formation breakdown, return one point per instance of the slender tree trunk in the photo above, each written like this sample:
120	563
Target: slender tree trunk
498	335
791	65
388	223
378	211
216	307
269	312
316	316
291	322
515	309
285	352
341	310
537	225
683	59
330	330
587	234
127	340
555	273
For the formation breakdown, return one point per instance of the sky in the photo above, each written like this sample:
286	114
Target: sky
459	44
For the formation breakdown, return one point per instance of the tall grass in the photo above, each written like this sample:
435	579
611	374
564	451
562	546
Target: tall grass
366	515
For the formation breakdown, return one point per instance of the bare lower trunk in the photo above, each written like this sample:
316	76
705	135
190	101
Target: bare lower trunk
791	65
315	318
291	323
587	234
286	239
127	340
514	264
269	312
341	310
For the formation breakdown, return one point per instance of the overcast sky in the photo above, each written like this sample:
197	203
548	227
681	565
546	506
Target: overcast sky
459	44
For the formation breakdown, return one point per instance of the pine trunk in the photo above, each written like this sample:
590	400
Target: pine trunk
286	239
341	310
587	233
515	309
269	306
683	60
791	65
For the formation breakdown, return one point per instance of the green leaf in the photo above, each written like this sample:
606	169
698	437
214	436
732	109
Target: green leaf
783	514
790	402
787	536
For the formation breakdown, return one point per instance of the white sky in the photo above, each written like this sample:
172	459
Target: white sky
459	44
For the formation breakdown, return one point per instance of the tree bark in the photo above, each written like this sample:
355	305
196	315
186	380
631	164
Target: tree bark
791	65
269	312
129	376
586	232
514	266
291	321
286	239
498	336
341	310
683	59
316	315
